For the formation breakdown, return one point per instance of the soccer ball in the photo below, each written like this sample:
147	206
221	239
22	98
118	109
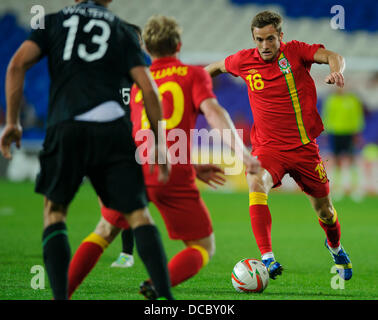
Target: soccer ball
250	275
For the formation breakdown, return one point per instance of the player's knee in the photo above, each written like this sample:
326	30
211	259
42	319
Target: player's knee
324	210
53	213
210	248
261	182
206	246
106	231
139	218
255	184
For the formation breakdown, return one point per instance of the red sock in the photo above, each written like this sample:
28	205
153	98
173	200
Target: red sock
185	265
85	258
332	232
261	222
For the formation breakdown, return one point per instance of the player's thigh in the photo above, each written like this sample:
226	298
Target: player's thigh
307	169
208	243
184	212
106	230
120	186
125	221
114	172
271	172
62	166
260	182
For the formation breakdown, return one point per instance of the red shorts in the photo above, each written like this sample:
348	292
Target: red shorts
184	212
115	218
303	164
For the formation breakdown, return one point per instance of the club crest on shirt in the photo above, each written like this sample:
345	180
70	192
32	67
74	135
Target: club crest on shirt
284	65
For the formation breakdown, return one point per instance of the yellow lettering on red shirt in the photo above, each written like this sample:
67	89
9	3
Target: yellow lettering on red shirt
181	71
178	105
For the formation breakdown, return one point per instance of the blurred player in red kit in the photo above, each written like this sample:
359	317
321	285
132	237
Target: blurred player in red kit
186	91
282	96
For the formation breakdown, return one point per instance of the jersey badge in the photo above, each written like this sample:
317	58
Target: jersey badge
284	65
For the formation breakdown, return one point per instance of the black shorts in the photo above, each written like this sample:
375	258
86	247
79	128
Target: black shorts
342	144
104	152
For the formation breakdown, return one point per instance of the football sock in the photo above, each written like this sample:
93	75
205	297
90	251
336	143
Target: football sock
268	255
187	263
127	241
56	256
151	251
335	250
84	259
261	221
332	230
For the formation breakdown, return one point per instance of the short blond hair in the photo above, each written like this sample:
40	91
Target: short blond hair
162	35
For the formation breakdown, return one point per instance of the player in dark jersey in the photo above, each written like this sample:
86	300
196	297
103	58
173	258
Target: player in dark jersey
91	53
189	89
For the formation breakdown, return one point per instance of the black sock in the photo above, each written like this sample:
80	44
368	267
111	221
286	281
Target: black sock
127	241
56	256
151	251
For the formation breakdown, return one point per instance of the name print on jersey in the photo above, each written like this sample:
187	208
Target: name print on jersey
167	72
94	13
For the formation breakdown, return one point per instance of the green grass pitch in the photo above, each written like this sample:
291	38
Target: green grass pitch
298	243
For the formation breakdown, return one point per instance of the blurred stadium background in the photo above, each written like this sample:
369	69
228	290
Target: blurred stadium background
214	29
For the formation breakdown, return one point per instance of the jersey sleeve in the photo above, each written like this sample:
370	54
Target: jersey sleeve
202	87
40	36
306	51
232	64
133	54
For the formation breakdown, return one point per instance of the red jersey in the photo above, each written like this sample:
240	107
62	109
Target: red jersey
182	89
282	95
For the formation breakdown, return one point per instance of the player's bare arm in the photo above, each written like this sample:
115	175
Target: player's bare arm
210	174
216	68
336	65
218	118
24	58
142	77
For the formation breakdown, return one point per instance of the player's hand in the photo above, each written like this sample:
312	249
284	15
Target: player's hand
335	78
252	165
210	174
164	172
162	160
11	133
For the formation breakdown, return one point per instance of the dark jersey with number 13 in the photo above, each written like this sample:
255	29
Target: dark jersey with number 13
90	53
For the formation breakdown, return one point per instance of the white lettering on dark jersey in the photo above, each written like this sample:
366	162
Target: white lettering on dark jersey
90	12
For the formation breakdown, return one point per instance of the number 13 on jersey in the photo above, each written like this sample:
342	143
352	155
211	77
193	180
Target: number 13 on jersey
178	105
101	40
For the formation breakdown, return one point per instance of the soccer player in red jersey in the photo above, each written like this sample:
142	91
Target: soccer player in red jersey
186	91
282	96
